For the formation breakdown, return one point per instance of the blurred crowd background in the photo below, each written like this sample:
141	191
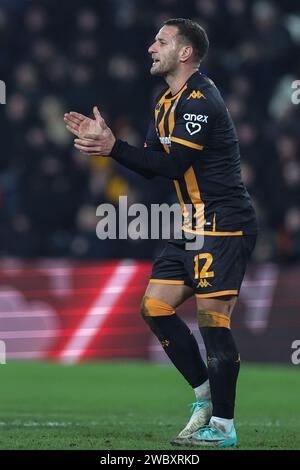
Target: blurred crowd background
59	56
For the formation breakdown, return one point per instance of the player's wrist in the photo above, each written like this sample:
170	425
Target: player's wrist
117	148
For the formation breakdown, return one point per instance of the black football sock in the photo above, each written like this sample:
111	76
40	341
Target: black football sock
223	364
181	347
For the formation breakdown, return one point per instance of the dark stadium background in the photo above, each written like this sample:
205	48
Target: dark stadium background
66	296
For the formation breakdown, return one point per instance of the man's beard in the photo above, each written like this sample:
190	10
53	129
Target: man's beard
162	70
157	72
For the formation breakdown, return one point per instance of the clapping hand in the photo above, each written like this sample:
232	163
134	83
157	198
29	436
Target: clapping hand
94	137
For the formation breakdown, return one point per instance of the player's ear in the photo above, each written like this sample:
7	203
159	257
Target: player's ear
185	53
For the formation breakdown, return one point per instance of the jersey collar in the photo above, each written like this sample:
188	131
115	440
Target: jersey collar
191	79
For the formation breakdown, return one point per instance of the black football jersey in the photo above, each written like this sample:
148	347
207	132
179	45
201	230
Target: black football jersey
192	141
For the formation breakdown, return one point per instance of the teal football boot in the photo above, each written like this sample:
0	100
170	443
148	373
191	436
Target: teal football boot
212	436
201	414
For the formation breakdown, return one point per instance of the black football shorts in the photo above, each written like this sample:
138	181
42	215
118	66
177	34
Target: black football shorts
215	269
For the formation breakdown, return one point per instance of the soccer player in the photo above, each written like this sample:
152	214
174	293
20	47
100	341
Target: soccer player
192	141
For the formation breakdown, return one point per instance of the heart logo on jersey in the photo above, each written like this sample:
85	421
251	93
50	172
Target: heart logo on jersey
193	127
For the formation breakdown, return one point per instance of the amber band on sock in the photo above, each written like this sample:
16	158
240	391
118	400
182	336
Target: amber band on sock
156	308
213	319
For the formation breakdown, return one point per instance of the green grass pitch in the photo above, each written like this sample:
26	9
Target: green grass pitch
135	405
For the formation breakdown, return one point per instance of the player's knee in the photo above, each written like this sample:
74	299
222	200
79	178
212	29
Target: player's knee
151	307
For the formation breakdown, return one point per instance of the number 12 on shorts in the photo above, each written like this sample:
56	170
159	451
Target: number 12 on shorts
203	261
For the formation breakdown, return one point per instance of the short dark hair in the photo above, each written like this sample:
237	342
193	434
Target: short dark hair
192	33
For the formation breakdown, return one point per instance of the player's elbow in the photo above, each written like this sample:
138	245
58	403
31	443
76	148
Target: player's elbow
176	167
148	176
173	171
